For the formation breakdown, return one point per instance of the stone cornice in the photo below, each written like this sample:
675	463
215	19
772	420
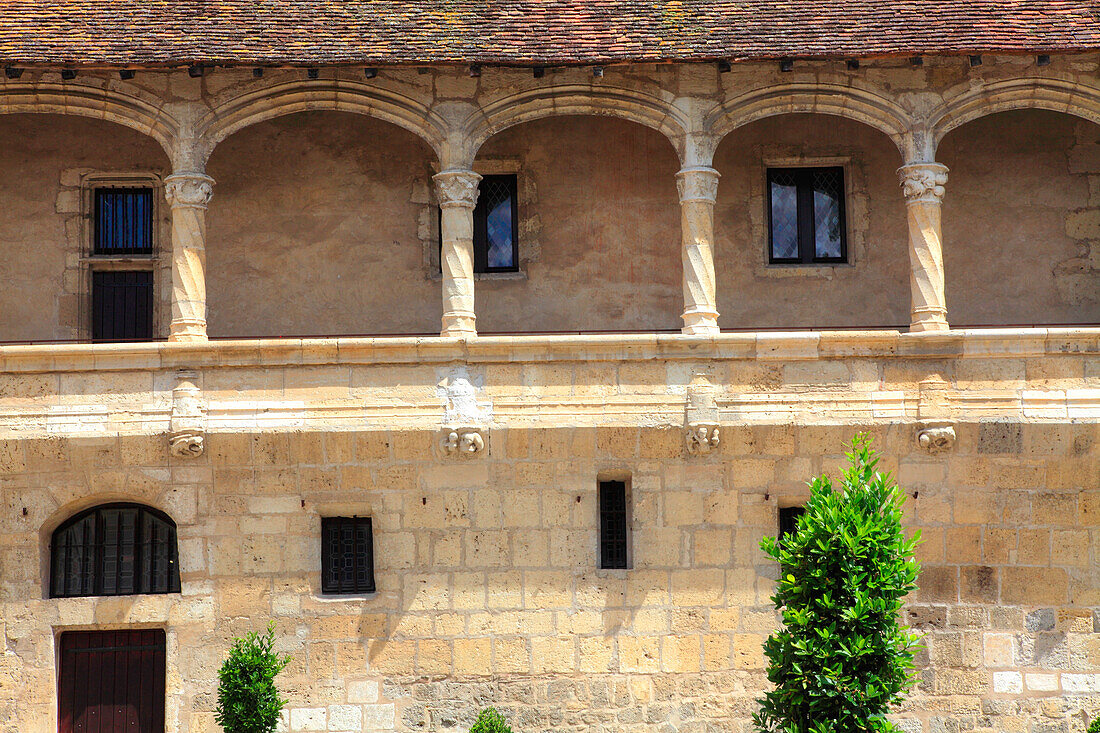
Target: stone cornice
763	345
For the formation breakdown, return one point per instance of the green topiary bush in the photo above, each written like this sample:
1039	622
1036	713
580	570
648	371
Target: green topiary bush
842	659
490	721
248	701
1094	726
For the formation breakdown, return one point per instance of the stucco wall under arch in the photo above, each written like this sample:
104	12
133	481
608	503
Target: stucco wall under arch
872	291
42	229
599	228
316	228
1020	219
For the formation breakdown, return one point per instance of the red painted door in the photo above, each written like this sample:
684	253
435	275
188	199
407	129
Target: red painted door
111	682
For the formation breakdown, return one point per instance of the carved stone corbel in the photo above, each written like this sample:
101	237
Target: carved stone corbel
701	438
701	415
935	439
187	425
463	442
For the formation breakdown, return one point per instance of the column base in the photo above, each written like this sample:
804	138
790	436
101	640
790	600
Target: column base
187	331
700	323
456	326
931	320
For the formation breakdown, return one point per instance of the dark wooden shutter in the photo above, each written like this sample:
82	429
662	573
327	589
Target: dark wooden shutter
122	305
111	682
614	540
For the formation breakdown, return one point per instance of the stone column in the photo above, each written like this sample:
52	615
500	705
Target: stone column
698	188
922	184
188	195
457	191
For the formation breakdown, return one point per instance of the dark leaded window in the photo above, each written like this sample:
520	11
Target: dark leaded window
114	550
123	221
347	555
614	525
122	305
496	225
788	520
806	215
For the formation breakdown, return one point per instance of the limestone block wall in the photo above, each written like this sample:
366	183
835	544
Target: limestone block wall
488	591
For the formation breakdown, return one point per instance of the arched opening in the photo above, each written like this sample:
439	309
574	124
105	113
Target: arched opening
1021	220
321	224
112	550
598	228
794	277
49	176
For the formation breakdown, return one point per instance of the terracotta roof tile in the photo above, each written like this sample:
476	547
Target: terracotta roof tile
546	32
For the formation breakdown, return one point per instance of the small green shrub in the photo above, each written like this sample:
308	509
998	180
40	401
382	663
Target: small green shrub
1094	726
490	721
841	659
248	701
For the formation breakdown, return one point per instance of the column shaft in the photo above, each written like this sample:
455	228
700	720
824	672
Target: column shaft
698	187
457	192
188	195
923	187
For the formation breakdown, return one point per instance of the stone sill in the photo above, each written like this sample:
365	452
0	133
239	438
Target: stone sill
763	345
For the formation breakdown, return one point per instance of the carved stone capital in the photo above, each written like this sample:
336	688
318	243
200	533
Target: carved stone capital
457	188
936	438
697	184
187	424
701	438
923	182
463	442
188	190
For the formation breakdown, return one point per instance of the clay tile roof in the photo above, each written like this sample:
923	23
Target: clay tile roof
528	32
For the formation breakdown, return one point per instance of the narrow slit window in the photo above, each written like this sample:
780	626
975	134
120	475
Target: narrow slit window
806	216
496	225
347	555
122	305
788	520
123	221
614	525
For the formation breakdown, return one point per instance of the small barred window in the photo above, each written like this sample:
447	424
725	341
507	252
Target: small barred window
614	525
347	555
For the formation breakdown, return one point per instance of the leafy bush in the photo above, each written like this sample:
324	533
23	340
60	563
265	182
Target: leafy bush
1094	727
841	659
490	721
248	701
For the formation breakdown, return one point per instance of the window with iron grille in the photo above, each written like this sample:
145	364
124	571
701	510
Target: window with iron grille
347	555
122	305
806	216
788	520
614	525
496	225
114	550
123	221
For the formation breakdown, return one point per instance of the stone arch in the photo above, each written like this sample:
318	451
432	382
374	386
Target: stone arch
857	104
145	116
337	95
965	104
581	100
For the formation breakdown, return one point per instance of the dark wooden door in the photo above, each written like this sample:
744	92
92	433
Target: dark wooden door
111	682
